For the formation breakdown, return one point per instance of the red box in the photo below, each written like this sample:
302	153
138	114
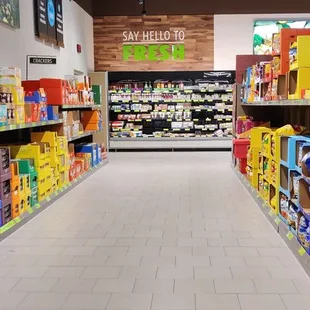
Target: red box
242	163
240	147
31	85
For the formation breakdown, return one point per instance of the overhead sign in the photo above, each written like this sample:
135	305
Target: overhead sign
59	24
49	20
43	60
153	45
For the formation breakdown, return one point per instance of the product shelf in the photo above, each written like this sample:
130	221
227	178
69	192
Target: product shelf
80	106
16	223
29	125
83	135
289	102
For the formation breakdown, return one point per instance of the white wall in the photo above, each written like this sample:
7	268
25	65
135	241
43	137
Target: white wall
78	29
233	35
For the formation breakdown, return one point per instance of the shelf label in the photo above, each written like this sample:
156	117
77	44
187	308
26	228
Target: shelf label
187	129
277	220
30	211
289	235
17	219
38	206
271	213
302	251
169	120
48	199
148	120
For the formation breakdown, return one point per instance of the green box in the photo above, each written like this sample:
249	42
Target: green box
34	196
26	167
97	90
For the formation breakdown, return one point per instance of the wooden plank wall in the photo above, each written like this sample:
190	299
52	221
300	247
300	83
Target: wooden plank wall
199	42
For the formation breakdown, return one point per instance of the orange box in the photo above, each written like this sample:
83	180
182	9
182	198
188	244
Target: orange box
15	207
91	126
90	116
287	36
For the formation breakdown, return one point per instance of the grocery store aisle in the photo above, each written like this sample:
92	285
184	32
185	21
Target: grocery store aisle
160	231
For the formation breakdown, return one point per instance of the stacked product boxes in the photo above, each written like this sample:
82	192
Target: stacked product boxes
278	167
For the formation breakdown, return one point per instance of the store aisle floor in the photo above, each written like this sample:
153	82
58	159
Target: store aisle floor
160	231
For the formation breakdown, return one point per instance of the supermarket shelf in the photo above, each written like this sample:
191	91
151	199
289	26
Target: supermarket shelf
80	106
83	135
15	224
291	102
29	125
278	225
170	91
171	144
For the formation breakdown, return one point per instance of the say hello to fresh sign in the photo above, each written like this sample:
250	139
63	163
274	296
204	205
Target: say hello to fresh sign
153	45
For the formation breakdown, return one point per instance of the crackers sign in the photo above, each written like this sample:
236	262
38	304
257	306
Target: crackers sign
153	45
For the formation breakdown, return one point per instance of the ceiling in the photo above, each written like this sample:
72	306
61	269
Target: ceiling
183	7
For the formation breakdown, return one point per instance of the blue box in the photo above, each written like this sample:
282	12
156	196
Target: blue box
89	148
3	115
52	113
35	98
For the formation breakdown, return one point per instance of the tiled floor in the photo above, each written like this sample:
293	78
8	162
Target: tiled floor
160	231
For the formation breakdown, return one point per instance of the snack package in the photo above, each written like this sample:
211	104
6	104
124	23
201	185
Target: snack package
304	233
296	178
292	217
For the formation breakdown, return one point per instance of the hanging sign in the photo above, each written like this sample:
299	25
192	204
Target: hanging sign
40	18
153	45
59	23
49	21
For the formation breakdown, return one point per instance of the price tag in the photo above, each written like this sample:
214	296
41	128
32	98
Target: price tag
302	251
188	91
38	206
271	213
187	129
166	129
289	235
277	220
209	110
169	120
148	120
30	211
17	219
48	199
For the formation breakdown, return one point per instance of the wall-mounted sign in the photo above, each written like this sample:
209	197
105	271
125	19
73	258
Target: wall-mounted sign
41	65
43	60
153	45
49	20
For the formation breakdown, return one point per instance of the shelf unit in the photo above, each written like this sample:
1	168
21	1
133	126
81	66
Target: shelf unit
199	109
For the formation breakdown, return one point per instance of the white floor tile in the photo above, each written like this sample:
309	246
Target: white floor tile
152	231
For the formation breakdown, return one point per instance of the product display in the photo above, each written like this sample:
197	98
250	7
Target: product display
40	164
197	105
277	155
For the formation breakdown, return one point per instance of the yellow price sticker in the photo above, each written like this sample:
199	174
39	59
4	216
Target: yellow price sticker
302	251
289	235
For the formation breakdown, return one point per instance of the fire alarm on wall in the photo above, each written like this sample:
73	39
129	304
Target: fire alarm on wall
79	48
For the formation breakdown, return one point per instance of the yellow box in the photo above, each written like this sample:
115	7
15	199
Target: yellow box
299	54
62	145
22	202
17	94
46	136
20	114
38	151
298	80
